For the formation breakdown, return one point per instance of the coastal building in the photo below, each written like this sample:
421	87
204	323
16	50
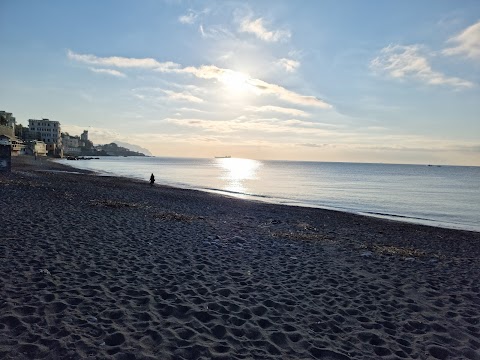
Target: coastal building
7	134
71	144
17	146
70	141
38	147
49	132
84	136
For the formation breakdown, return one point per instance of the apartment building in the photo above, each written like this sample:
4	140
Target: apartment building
48	130
71	145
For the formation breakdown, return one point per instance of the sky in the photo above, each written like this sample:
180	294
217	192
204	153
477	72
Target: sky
351	81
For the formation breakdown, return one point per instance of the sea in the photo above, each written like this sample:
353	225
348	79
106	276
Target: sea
443	196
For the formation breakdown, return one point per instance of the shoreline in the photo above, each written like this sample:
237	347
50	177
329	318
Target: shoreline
113	268
297	203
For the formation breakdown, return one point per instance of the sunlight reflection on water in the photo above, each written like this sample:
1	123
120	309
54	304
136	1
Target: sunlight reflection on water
236	172
445	195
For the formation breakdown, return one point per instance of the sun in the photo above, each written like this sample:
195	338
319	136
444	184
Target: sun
235	81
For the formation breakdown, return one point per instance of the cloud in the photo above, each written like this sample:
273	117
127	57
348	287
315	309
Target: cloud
157	95
188	18
467	43
260	126
468	148
258	86
401	62
182	96
209	72
313	145
427	148
214	32
185	109
287	95
122	62
191	16
278	109
206	71
257	28
108	71
289	64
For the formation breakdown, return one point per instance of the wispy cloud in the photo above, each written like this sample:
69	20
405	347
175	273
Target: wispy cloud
108	71
185	109
403	62
289	65
258	86
278	109
191	16
467	43
313	145
258	28
243	124
158	95
214	32
182	96
122	62
210	72
287	95
188	18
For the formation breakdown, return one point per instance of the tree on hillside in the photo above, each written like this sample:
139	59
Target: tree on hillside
19	130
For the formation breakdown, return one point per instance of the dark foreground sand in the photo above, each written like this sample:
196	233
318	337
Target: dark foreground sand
101	268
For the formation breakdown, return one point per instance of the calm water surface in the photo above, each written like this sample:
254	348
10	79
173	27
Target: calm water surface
447	196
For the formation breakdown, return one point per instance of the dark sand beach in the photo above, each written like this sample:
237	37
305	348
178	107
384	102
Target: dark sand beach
108	268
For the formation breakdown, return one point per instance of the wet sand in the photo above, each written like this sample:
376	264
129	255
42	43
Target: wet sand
110	268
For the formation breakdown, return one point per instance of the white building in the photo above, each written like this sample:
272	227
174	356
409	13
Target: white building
49	131
69	141
71	145
38	147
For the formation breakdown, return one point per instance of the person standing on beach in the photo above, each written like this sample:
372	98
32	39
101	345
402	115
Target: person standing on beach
152	179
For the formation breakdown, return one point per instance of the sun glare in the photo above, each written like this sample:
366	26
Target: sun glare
235	81
237	172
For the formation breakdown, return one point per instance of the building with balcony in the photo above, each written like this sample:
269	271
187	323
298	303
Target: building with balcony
49	132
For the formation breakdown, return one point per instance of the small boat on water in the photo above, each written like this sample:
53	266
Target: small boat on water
223	157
